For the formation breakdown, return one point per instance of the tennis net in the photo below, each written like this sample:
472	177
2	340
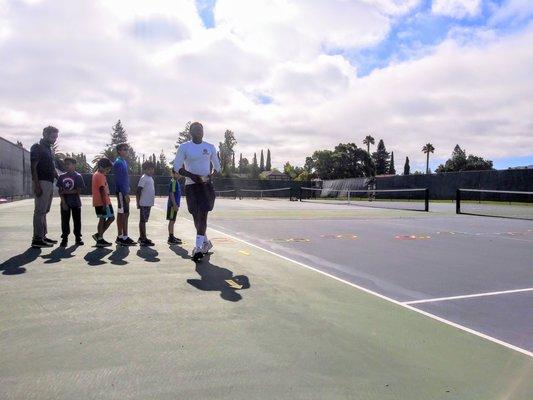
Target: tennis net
264	194
402	199
226	194
495	203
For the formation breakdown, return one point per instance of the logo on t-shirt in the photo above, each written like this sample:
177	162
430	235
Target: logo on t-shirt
68	183
205	152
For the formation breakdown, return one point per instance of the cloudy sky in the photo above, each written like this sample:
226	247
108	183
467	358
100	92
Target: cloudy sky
290	75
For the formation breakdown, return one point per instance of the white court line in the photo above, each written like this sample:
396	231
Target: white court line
409	307
468	296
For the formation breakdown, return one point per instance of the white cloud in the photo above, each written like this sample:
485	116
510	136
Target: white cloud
91	70
457	8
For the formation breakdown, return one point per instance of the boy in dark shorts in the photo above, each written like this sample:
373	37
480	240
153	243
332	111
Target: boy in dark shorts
145	201
70	183
173	205
122	186
102	201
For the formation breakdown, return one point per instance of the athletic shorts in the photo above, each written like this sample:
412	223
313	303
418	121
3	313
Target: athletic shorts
145	213
123	207
200	197
104	212
171	213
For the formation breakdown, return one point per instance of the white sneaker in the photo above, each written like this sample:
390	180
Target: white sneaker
197	254
207	246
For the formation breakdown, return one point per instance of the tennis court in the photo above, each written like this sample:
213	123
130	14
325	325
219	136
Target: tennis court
300	300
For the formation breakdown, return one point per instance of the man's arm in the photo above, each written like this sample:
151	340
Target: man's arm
215	161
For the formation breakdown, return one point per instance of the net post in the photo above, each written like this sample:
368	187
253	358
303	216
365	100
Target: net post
426	200
458	201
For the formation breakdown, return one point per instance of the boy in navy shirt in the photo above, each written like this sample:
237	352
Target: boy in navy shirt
70	184
173	205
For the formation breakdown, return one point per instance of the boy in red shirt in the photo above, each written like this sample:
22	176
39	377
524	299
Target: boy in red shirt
102	201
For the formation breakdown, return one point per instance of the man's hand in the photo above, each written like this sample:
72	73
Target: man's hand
196	178
37	189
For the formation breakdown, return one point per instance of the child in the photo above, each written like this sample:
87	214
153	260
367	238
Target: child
145	200
70	183
102	201
173	205
122	184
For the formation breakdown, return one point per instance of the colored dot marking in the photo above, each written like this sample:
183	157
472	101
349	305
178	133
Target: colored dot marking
411	237
291	240
222	240
244	253
341	236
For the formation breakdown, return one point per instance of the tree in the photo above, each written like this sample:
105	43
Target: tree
254	171
233	162
392	170
351	161
268	165
381	159
368	140
262	162
119	135
241	164
460	162
428	148
226	149
244	165
292	171
82	166
162	166
183	136
406	167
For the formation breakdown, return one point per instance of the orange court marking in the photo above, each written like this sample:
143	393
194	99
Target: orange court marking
411	237
343	236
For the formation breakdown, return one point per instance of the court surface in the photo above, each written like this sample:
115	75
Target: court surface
298	301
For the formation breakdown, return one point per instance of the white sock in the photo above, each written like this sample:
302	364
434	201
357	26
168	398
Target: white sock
200	241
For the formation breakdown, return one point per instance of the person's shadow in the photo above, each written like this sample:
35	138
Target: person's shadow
14	266
94	258
180	251
215	278
148	254
119	255
59	253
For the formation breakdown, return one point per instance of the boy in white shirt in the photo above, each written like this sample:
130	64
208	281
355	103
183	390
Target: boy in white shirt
198	162
145	200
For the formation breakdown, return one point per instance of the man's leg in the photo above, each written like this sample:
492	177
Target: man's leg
76	217
171	228
107	224
120	215
49	193
101	230
40	210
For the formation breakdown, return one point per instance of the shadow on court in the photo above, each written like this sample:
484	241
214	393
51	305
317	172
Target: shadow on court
14	266
94	258
118	256
218	279
148	254
180	251
59	253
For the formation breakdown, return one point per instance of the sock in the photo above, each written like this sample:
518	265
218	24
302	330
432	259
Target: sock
200	241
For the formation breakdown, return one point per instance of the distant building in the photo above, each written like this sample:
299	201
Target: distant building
274	176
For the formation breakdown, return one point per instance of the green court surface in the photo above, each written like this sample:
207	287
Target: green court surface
139	323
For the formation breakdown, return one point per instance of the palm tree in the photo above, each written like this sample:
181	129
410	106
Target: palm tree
428	148
368	141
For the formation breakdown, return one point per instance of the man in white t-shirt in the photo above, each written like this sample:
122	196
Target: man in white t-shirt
198	162
145	200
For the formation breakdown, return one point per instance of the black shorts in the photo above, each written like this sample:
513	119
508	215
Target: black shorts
104	212
200	197
144	213
123	206
171	214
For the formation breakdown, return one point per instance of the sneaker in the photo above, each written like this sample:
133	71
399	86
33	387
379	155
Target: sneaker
52	241
120	241
197	254
129	242
79	242
64	243
173	240
102	243
146	242
96	237
207	246
40	243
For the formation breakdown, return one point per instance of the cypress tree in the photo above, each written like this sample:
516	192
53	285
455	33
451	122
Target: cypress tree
262	162
392	170
268	165
406	167
381	159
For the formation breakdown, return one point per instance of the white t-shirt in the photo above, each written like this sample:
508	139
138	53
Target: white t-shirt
196	159
148	193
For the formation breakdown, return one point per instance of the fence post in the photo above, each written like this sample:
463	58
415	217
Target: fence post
458	201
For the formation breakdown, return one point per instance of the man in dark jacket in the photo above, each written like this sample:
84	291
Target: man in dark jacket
43	173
